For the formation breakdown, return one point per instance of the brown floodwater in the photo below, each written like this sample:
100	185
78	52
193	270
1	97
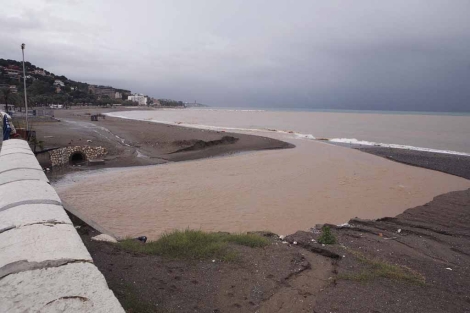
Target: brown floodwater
280	190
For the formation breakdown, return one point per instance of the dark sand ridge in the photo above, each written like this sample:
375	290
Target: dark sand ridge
446	163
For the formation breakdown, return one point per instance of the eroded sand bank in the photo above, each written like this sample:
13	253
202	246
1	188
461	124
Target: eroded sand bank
280	190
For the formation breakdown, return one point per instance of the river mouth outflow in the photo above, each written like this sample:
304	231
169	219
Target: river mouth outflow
280	190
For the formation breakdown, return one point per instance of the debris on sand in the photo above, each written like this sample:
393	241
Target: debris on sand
104	237
201	144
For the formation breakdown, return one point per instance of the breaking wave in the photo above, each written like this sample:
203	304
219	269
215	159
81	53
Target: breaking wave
354	141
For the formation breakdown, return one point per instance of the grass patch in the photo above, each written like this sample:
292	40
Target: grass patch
383	269
327	237
132	303
195	244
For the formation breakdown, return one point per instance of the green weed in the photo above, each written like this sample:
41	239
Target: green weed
327	236
377	268
195	244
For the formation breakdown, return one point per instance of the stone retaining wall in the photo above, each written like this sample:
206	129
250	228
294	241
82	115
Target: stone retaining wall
62	156
44	265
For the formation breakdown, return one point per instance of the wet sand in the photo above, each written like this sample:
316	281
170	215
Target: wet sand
452	164
281	190
137	143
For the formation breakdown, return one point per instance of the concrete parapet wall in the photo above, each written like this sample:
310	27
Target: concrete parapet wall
62	156
44	265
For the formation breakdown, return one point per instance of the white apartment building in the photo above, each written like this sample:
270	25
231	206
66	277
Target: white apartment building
140	99
58	82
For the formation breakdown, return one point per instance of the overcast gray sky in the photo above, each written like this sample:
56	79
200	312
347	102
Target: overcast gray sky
402	55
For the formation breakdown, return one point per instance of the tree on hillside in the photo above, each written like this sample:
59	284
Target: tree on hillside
6	94
16	99
40	88
171	103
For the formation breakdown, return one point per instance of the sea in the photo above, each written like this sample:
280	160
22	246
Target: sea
439	132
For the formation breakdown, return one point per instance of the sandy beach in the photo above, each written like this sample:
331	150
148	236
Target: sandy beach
135	143
289	190
413	260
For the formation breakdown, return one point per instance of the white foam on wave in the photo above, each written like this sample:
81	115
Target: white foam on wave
354	141
304	136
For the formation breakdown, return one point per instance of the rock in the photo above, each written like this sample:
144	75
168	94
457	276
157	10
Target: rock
142	239
104	237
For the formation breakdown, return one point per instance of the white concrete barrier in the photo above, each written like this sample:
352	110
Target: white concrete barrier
18	160
44	265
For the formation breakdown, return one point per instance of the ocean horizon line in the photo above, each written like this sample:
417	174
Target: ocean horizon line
357	111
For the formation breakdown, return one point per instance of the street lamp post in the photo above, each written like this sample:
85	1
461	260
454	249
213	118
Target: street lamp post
25	97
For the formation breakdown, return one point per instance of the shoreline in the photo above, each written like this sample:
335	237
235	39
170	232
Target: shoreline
136	143
119	157
425	245
129	135
283	190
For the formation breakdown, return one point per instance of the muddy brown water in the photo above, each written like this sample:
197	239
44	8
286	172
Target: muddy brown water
280	190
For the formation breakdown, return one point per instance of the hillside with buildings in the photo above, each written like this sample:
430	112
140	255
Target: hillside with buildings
45	88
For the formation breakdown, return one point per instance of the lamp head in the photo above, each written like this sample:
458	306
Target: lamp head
22	46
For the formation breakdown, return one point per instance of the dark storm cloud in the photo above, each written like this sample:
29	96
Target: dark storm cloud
405	55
